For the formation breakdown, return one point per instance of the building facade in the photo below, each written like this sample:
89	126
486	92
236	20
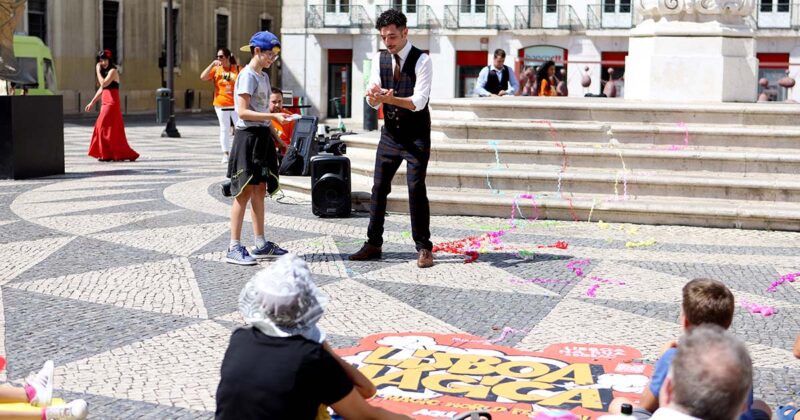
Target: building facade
333	40
135	32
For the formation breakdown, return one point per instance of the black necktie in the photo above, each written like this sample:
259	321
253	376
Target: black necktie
397	68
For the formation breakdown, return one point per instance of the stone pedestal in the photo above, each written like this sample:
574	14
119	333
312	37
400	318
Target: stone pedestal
692	51
31	136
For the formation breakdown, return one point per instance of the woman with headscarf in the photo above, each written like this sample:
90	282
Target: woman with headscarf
109	142
223	71
281	367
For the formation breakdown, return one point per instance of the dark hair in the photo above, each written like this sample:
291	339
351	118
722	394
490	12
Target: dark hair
707	301
499	53
276	90
227	53
391	17
542	73
711	374
105	54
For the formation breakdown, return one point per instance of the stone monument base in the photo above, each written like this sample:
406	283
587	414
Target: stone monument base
691	62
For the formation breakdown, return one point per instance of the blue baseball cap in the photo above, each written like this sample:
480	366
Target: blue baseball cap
266	41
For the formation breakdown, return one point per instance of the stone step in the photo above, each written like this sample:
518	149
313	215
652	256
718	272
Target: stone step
607	182
596	133
616	110
515	154
583	207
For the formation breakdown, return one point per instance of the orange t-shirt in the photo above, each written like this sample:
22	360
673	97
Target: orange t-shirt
285	130
224	81
547	89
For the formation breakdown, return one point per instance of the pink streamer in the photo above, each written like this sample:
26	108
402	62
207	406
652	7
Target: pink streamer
575	266
757	309
685	138
784	278
503	335
597	282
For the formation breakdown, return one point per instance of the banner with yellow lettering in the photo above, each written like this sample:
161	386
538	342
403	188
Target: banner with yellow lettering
432	376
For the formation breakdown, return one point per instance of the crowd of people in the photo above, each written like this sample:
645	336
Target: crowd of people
280	365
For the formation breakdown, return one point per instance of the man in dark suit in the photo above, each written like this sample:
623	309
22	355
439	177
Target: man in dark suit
401	81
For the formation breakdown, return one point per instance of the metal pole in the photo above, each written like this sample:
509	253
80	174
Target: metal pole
171	130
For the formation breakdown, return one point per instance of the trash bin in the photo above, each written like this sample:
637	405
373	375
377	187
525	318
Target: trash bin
370	117
162	105
188	99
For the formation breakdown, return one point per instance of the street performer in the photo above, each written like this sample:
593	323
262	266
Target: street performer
402	83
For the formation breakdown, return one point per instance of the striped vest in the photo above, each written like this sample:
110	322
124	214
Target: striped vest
401	122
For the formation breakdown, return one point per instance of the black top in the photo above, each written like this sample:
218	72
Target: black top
493	85
104	72
277	378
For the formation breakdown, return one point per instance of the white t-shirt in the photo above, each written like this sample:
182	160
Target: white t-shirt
258	87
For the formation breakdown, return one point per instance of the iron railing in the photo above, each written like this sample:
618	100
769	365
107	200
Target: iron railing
609	16
419	16
337	16
478	16
537	16
777	14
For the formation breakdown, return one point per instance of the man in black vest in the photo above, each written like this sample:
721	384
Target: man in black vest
497	79
401	81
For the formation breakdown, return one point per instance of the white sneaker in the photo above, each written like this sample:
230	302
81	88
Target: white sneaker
75	410
42	382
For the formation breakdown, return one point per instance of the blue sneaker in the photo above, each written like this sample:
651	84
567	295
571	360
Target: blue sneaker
270	250
239	255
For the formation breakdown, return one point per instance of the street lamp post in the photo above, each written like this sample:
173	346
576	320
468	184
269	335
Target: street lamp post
171	130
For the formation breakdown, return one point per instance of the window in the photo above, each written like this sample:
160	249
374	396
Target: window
337	6
176	44
37	19
406	6
222	31
266	24
49	75
473	6
111	29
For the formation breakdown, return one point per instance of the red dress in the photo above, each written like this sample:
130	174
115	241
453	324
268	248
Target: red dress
108	139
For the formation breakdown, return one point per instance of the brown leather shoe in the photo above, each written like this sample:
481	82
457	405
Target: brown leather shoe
367	252
425	259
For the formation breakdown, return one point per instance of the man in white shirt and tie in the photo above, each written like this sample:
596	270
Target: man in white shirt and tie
497	79
401	81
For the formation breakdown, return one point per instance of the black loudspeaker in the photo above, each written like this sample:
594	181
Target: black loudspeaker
330	185
304	140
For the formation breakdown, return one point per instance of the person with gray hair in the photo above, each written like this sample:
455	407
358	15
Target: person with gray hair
281	367
709	379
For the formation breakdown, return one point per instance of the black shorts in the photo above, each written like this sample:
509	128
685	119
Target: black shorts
253	160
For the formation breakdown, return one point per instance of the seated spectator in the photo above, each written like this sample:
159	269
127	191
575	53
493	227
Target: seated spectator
281	367
38	392
705	301
286	129
710	377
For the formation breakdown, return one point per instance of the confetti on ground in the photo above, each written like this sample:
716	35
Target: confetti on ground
575	266
597	282
405	234
790	278
507	331
640	244
757	309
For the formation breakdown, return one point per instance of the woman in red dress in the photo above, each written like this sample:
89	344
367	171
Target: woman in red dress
108	139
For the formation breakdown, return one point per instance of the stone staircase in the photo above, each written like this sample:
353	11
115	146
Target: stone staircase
721	165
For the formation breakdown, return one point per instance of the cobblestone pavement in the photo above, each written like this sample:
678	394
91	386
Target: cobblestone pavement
116	272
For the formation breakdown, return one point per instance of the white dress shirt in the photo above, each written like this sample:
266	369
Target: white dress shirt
423	69
483	77
666	413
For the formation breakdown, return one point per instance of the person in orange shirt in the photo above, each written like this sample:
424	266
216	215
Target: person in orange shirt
223	72
287	128
547	79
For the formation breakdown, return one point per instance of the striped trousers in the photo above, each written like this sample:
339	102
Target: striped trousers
390	154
